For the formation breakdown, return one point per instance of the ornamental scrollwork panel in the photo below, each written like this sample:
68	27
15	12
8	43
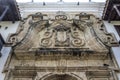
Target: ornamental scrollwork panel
84	32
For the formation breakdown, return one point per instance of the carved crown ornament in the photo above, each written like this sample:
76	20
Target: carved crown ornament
82	33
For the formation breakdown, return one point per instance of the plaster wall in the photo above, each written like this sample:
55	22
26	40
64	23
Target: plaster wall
7	27
116	50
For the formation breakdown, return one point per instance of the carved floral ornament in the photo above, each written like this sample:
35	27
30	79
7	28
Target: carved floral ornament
84	31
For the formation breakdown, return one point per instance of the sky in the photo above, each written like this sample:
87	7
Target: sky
59	0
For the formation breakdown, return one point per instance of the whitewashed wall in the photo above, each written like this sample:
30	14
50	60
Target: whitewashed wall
92	7
116	50
11	28
5	53
6	50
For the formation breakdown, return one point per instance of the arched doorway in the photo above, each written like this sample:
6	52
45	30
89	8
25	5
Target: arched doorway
61	77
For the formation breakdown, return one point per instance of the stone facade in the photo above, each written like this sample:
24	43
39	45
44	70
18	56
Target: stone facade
61	48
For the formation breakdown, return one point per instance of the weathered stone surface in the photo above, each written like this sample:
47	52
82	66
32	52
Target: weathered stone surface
62	48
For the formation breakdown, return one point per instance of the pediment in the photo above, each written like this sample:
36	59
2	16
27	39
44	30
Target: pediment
79	34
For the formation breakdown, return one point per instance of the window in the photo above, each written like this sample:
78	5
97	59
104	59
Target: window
117	27
2	42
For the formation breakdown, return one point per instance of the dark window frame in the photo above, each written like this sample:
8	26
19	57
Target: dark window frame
117	27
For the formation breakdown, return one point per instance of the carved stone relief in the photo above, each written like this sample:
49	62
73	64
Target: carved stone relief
63	47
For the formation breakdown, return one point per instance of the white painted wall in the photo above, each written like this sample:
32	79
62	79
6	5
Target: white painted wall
11	28
5	53
118	76
67	6
116	50
6	50
110	28
92	7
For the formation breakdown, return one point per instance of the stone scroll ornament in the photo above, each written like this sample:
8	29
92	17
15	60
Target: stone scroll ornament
61	31
46	41
77	42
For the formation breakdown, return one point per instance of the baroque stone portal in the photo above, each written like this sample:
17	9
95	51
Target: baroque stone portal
61	47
